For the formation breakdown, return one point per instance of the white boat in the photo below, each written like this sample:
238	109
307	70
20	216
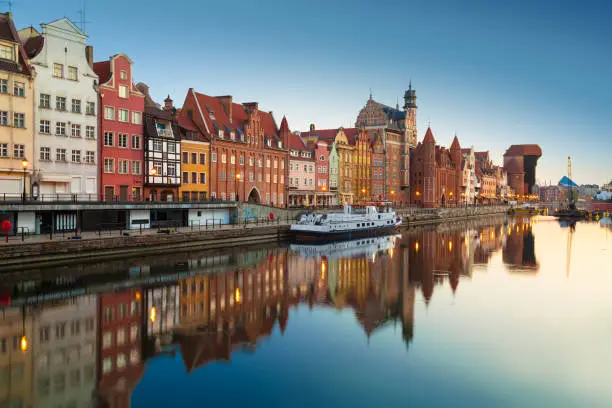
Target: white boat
362	247
351	223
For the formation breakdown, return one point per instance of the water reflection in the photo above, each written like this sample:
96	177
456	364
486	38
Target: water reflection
90	329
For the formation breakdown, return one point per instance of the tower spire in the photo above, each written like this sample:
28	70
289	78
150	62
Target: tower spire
370	93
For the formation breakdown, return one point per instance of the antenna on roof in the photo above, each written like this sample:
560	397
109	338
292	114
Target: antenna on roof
370	93
10	4
82	22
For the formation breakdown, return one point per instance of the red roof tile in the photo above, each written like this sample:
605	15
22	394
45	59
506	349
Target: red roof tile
296	142
429	138
102	69
524	150
34	45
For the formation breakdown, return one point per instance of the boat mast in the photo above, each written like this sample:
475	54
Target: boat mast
569	181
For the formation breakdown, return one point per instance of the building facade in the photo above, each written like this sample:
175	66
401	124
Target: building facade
248	154
121	109
302	172
17	97
362	165
195	163
520	162
324	196
162	153
66	120
378	170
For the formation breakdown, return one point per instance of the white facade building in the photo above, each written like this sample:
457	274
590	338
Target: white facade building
66	125
469	175
65	337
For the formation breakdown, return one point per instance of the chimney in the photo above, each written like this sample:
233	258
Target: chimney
168	104
89	54
250	107
312	127
226	102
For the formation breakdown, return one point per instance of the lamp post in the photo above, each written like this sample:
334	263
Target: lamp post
363	192
24	165
324	189
238	177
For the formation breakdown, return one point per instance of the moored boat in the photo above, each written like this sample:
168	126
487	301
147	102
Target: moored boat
350	223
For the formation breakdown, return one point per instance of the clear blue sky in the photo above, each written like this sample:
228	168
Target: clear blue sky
495	72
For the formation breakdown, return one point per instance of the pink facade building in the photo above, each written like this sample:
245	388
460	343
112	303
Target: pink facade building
121	108
302	174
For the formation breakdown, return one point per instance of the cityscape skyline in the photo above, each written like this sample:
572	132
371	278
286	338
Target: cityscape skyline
471	99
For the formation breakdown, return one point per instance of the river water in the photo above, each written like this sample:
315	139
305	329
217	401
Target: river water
491	313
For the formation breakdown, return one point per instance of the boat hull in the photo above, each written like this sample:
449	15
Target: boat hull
320	237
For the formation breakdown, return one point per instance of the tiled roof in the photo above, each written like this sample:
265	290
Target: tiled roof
102	69
216	117
429	138
296	142
466	151
187	125
524	150
34	45
455	144
8	33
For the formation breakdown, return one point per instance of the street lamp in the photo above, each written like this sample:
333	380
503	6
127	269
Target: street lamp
24	165
153	171
238	177
363	192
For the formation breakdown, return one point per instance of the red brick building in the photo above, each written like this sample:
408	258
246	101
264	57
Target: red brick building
248	153
520	162
436	173
378	169
120	365
121	108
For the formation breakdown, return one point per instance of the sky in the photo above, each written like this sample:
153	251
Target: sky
495	73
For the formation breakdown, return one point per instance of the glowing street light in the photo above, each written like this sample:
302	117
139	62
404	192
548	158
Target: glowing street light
23	343
237	295
153	314
24	165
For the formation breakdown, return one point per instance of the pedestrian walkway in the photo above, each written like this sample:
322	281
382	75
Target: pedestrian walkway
89	235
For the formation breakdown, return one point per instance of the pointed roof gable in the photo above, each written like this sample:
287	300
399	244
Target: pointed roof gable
429	138
455	145
284	127
64	24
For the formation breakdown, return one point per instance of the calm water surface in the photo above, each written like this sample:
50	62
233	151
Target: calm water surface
496	313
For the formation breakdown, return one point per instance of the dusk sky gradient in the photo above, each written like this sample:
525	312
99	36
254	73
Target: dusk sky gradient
495	72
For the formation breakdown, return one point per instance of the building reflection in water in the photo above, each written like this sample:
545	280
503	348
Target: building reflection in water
94	347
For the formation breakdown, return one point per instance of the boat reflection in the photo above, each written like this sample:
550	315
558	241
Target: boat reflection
91	328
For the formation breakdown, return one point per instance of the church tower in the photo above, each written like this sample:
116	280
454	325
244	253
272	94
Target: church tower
410	109
429	170
457	158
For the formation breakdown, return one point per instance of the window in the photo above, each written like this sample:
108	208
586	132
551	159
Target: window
76	156
19	151
232	159
194	178
76	130
259	177
60	155
4	118
268	163
60	330
58	70
136	142
136	168
90	132
19	120
171	169
136	118
133	333
109	113
109	165
3	149
75	328
73	73
90	108
223	158
267	177
123	75
185	177
251	161
122	140
45	127
76	106
158	145
134	357
123	167
123	115
108	138
185	158
202	178
18	88
275	179
121	336
171	147
157	165
202	158
90	157
282	178
123	91
251	176
275	164
45	153
3	84
60	103
213	157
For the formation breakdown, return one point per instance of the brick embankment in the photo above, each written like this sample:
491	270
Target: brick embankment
62	252
435	216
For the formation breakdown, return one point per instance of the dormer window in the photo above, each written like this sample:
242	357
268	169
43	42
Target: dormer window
268	142
220	134
7	52
232	136
280	144
211	114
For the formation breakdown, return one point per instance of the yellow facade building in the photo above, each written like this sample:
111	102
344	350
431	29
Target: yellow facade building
195	166
345	150
17	99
